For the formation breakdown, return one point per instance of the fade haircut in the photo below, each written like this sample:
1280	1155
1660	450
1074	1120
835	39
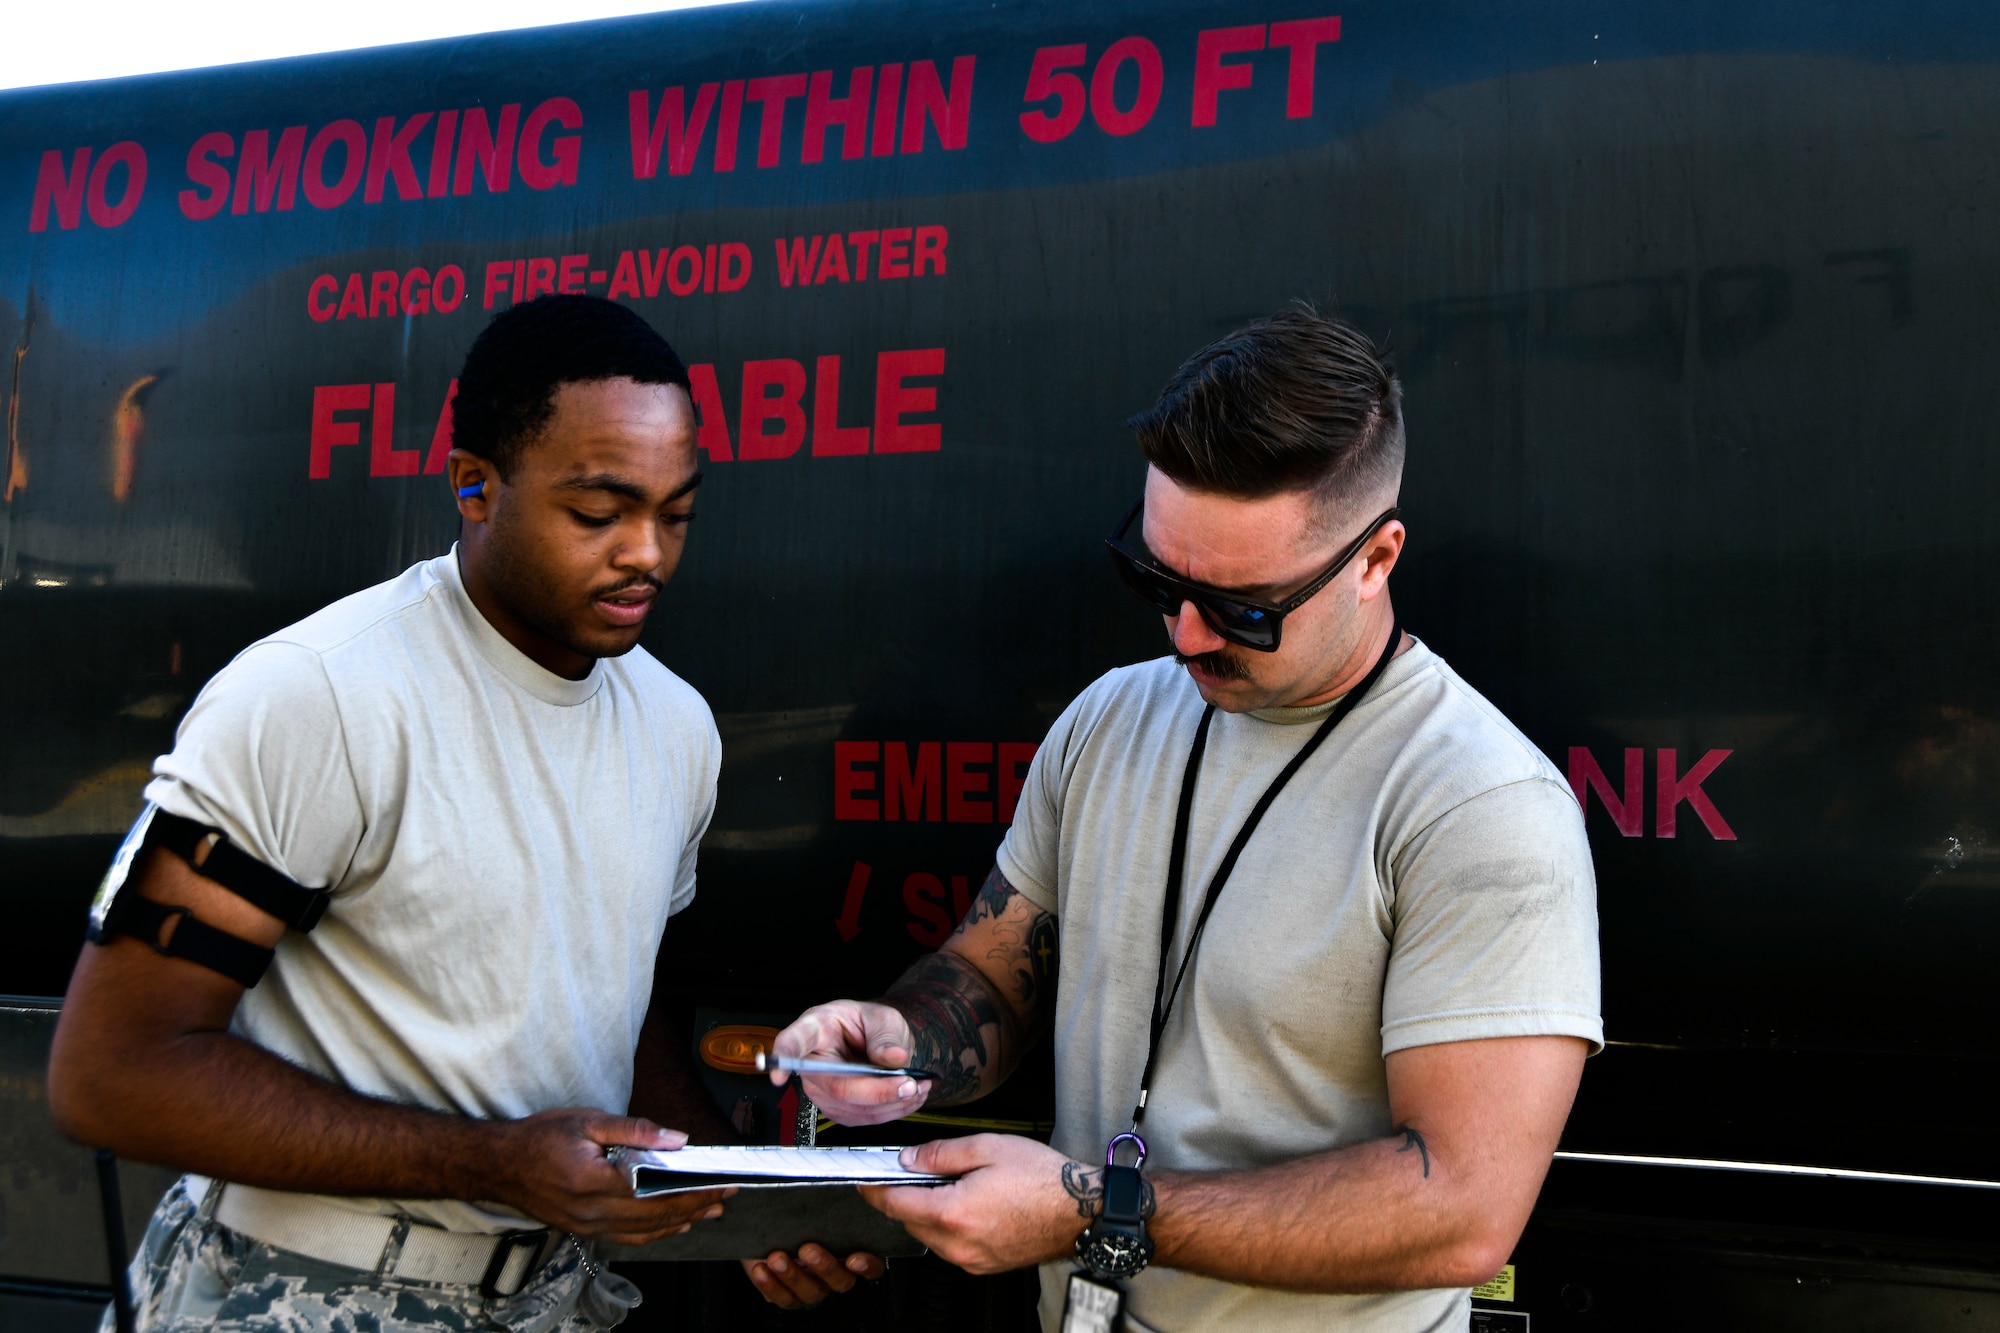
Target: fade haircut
507	389
1296	402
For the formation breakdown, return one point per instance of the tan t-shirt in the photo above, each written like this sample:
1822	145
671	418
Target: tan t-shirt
504	848
1424	878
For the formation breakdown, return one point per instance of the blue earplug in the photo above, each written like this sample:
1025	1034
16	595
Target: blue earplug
467	492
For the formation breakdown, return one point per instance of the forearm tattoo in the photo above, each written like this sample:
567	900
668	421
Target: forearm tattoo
1085	1184
1412	1139
949	1005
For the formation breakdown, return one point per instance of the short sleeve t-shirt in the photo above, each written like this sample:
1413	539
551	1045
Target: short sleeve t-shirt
503	845
1424	878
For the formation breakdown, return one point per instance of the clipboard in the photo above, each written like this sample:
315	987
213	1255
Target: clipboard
789	1196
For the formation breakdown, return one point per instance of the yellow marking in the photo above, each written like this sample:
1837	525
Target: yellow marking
1500	1287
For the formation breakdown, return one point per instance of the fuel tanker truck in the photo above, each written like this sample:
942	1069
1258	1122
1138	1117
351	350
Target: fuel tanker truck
1697	309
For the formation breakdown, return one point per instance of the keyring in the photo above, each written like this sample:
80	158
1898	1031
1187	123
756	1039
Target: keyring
1111	1150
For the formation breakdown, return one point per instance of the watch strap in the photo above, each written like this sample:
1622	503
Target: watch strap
1124	1197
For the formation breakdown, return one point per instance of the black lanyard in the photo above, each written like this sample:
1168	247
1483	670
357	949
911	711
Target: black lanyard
1163	999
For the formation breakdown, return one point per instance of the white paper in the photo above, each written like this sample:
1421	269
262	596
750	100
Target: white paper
855	1165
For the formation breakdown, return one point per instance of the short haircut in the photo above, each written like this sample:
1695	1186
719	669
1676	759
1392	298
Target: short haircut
1296	402
507	388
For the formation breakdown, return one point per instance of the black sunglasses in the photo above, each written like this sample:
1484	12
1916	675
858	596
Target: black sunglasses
1241	620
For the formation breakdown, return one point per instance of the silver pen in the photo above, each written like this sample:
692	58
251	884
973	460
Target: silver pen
792	1064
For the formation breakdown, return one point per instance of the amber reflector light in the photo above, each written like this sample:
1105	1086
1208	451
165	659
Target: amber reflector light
733	1047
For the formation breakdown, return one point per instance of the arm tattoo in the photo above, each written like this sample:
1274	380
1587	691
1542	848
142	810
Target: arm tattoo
1086	1185
1027	953
1041	955
948	1005
995	895
950	1001
1412	1139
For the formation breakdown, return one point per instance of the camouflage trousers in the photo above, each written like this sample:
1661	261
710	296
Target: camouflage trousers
193	1275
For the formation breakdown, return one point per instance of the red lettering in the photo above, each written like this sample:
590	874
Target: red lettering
499	278
848	114
773	91
1015	756
354	144
625	276
850	782
930	250
439	183
652	268
830	438
712	433
491	152
1671	791
452	276
734	271
832	261
389	155
569	275
727	128
541	278
354	300
97	200
962	803
434	461
895	253
863	242
708	268
679	131
520	273
328	433
906	789
1044	82
204	171
414	296
684	271
1211	76
797	264
328	284
1104	86
949	112
1303	36
382	293
923	895
537	174
1626	811
264	176
63	191
384	458
759	407
893	399
888	89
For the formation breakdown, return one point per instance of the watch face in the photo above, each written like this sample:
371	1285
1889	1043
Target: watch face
1115	1255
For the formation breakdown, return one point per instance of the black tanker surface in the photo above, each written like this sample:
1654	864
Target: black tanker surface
1694	306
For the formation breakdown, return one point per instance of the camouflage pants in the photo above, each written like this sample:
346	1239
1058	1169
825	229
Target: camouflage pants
192	1275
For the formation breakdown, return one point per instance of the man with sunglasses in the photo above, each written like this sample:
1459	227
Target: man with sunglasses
1326	920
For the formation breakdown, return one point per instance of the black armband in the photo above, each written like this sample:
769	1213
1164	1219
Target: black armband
175	931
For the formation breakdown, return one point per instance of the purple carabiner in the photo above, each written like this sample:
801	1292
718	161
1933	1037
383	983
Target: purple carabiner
1111	1150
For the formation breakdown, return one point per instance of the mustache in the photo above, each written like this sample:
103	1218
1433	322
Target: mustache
642	581
1217	663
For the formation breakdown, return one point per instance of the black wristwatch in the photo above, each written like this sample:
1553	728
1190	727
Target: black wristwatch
1116	1244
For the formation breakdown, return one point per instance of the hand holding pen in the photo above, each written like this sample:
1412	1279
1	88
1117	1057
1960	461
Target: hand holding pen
855	1059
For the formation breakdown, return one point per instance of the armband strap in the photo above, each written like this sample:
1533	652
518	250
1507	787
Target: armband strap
242	874
193	939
